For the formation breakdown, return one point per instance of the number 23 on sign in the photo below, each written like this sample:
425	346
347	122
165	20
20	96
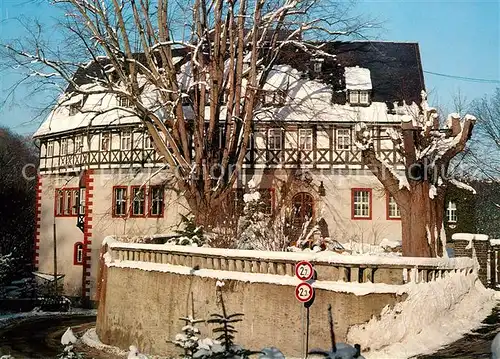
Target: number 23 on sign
304	292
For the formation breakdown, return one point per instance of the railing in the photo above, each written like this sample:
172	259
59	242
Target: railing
329	266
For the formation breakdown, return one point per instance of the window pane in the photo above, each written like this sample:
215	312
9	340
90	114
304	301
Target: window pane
50	149
451	212
361	203
353	97
126	141
274	139
156	201
105	142
394	211
148	142
305	139
363	97
74	202
67	202
138	201
343	139
59	202
82	200
120	201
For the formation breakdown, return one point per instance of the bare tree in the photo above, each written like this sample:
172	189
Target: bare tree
487	111
18	163
183	88
426	150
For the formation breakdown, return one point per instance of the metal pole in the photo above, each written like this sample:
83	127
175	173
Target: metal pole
303	329
55	256
307	332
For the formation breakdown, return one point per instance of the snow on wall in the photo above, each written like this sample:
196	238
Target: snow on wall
357	78
434	314
344	287
469	237
326	256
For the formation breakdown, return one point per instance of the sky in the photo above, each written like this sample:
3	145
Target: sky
460	40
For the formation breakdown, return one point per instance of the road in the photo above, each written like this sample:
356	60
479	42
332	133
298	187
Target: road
37	338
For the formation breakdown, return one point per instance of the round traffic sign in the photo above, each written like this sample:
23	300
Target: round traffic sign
304	270
304	292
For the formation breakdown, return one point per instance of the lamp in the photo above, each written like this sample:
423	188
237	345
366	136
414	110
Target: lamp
322	190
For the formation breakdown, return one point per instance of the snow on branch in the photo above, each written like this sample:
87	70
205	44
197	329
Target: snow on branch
462	185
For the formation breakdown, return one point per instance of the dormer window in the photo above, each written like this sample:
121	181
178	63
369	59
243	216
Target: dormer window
359	97
75	104
123	101
358	84
75	108
277	97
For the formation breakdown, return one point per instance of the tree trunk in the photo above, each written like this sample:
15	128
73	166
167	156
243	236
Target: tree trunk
421	221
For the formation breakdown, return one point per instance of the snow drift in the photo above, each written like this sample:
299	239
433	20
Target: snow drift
433	315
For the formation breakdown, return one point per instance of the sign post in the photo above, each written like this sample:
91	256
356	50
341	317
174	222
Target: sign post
304	293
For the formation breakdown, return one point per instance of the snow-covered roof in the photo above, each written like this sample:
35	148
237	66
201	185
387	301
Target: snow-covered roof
98	109
357	78
382	67
311	101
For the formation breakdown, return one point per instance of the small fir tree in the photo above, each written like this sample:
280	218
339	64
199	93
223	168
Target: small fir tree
188	339
225	332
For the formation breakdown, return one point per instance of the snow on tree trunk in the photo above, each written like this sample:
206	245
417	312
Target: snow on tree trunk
421	221
426	151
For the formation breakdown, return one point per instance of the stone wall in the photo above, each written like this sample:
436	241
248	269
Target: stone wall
143	308
464	243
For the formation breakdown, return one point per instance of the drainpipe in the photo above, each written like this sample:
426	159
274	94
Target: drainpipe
55	255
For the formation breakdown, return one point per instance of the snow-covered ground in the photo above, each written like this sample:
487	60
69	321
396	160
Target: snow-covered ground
433	315
91	339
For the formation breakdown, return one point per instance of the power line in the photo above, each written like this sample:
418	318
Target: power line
471	79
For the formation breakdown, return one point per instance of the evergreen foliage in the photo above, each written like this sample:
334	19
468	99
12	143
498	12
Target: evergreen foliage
188	339
190	234
226	331
70	353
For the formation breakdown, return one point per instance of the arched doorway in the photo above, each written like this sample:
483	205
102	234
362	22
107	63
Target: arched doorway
302	212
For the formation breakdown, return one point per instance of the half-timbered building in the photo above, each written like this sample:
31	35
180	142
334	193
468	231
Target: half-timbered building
100	174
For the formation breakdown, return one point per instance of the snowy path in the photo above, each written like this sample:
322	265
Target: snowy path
473	345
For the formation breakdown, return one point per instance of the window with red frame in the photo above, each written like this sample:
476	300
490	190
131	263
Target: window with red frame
361	203
138	202
78	253
156	200
66	202
393	211
119	201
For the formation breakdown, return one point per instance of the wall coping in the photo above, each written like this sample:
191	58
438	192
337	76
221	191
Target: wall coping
284	280
327	258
